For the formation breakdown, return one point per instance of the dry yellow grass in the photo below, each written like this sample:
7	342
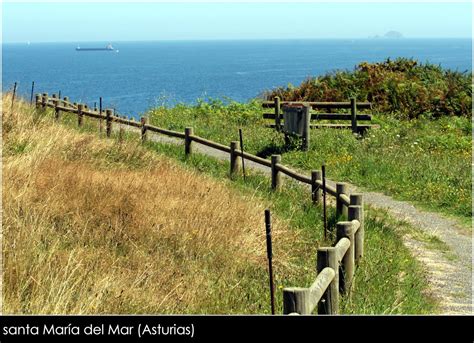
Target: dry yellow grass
93	226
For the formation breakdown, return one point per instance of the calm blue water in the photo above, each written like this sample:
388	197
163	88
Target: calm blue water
143	74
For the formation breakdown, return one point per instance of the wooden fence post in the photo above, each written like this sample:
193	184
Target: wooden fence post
108	122
37	100
188	141
345	229
354	115
296	300
316	192
329	304
80	115
56	103
44	100
66	101
144	122
277	112
235	162
306	130
341	209
358	214
276	174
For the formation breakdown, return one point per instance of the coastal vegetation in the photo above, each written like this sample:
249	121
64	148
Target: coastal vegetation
111	226
420	153
402	88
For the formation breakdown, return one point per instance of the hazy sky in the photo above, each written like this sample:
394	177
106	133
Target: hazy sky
74	22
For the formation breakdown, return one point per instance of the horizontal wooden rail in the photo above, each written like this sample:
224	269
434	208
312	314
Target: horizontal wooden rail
319	286
165	131
326	116
293	174
329	189
254	158
341	248
345	199
336	126
318	104
124	121
211	144
304	300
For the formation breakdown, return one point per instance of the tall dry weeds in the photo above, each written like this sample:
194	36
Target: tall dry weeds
91	226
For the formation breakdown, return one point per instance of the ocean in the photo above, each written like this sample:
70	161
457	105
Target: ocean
145	74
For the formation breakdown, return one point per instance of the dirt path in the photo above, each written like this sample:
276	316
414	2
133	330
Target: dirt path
449	273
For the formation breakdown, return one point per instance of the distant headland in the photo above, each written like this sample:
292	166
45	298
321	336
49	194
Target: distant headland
389	35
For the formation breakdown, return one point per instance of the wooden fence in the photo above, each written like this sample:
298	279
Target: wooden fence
335	265
353	116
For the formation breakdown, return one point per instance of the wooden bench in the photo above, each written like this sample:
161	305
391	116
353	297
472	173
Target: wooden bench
353	116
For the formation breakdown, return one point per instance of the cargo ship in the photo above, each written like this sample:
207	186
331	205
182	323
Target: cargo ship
109	47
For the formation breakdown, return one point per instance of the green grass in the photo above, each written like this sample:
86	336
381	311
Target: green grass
424	160
388	279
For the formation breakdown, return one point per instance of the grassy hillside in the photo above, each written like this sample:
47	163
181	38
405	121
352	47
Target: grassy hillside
421	160
211	263
93	226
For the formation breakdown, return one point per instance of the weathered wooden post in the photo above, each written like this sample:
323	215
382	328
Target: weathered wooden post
121	134
356	211
144	122
235	162
242	150
276	174
277	112
329	304
341	209
100	112
80	115
108	122
188	141
38	100
306	128
66	101
296	300
44	100
56	100
354	115
315	187
345	229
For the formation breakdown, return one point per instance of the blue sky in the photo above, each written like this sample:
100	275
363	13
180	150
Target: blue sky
75	22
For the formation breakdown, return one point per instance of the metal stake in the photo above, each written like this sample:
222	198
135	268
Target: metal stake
32	90
268	229
13	97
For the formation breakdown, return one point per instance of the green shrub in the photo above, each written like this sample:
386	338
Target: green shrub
401	87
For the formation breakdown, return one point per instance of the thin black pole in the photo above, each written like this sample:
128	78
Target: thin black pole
32	90
59	95
100	105
323	170
242	149
268	229
14	93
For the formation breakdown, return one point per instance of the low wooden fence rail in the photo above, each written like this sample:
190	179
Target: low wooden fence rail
335	265
353	116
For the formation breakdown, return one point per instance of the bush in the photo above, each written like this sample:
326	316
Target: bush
403	88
